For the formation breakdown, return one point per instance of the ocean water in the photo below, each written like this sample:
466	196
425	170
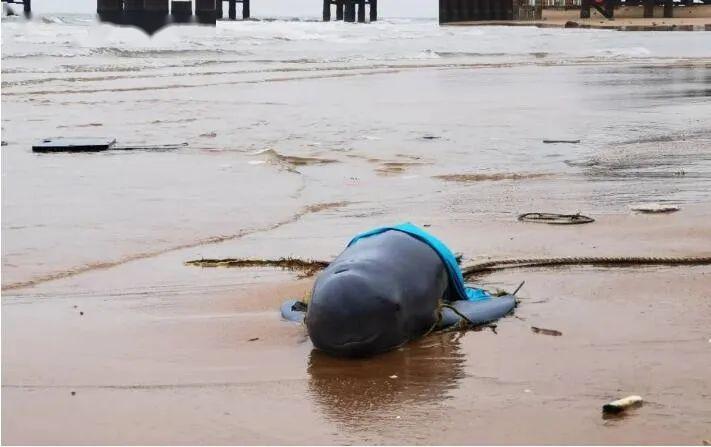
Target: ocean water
401	118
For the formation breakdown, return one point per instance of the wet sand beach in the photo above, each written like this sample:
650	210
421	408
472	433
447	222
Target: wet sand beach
300	135
199	355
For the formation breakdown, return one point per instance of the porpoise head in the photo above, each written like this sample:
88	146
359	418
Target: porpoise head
354	316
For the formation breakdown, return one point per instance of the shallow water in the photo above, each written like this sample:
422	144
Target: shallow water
402	118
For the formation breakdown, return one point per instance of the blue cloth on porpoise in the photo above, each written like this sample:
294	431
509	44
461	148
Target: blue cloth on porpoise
456	279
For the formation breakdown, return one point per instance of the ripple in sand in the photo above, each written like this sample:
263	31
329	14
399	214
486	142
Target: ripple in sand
80	125
396	167
481	177
291	161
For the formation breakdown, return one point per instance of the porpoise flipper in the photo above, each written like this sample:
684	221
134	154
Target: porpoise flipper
293	310
477	312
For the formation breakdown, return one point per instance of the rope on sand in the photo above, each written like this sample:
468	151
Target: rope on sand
555	219
311	267
604	261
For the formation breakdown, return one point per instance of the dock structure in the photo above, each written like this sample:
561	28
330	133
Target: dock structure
26	5
476	10
181	10
232	9
351	10
607	7
135	12
206	11
452	11
151	15
148	14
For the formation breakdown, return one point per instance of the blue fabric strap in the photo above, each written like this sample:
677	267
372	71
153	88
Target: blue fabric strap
455	274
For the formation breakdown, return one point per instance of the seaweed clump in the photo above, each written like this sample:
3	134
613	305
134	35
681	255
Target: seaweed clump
306	268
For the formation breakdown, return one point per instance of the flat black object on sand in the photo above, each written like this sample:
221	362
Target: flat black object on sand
74	145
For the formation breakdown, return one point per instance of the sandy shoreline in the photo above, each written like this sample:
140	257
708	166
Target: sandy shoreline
166	357
290	154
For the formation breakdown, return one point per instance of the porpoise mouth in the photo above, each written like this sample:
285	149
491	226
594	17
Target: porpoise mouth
365	347
356	342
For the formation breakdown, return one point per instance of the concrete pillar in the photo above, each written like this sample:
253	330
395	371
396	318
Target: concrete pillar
585	9
455	14
232	9
361	11
181	10
206	11
109	10
668	8
109	6
465	9
149	15
485	10
496	12
245	9
155	15
156	6
131	6
507	10
339	9
133	11
373	10
349	12
326	10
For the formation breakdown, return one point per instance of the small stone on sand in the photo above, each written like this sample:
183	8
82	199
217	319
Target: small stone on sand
623	404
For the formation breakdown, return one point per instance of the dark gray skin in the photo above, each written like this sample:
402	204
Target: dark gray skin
380	293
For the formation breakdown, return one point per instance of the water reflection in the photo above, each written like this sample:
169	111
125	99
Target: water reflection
363	394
